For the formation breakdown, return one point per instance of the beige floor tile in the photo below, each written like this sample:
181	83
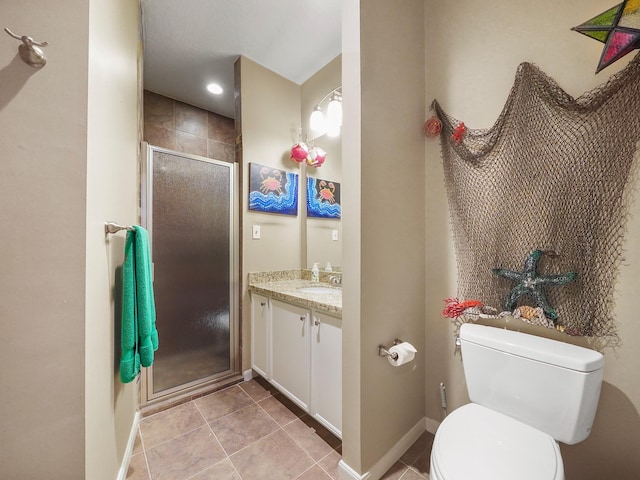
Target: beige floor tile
268	438
275	456
222	403
422	463
137	444
256	391
185	456
421	445
396	471
281	409
412	475
313	439
243	427
138	468
163	426
314	473
330	464
223	470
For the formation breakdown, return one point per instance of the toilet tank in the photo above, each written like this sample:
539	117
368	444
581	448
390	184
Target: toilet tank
549	385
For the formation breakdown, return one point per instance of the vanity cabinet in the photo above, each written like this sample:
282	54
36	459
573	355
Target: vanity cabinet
326	370
260	329
290	352
299	351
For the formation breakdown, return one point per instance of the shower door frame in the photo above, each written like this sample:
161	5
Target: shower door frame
147	395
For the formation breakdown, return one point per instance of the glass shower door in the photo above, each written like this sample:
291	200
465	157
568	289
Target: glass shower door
190	217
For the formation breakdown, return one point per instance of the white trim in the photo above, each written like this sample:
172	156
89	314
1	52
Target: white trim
345	472
247	375
124	467
432	425
388	459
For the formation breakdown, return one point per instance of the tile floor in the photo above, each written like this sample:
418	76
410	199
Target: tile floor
248	431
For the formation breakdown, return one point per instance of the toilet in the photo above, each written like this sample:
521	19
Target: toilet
527	394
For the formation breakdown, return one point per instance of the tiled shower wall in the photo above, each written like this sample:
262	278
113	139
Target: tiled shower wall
184	128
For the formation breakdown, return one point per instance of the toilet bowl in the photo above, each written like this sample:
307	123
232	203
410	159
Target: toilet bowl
527	394
476	443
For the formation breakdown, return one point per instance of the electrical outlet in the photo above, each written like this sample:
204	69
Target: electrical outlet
256	232
334	235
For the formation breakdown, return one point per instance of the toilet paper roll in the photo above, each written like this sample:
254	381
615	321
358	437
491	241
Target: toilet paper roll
406	352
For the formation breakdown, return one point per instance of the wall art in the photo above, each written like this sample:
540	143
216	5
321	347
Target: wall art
272	190
323	198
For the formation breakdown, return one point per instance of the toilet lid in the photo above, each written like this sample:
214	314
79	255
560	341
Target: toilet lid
475	442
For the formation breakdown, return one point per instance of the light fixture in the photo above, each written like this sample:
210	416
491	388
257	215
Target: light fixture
333	121
316	121
334	110
214	88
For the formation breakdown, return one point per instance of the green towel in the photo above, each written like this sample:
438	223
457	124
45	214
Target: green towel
130	358
139	335
144	298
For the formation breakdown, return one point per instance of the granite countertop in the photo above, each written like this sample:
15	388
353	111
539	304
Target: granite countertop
286	287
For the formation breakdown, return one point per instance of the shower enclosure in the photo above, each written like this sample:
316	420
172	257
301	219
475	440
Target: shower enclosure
189	209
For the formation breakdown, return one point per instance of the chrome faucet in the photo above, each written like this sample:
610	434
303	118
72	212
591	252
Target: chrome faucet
337	279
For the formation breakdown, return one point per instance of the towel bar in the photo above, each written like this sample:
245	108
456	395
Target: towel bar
111	227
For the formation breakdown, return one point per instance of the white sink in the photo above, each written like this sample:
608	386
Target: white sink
319	290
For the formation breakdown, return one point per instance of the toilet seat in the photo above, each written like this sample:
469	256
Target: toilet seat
474	442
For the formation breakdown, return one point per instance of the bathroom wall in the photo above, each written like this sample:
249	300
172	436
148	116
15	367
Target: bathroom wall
270	116
112	185
178	126
383	226
473	50
68	165
43	193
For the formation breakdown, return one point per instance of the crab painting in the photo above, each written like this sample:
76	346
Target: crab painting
271	181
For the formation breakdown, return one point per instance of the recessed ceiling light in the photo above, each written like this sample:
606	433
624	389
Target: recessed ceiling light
214	88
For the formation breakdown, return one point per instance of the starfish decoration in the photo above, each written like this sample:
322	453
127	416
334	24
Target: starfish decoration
531	283
618	28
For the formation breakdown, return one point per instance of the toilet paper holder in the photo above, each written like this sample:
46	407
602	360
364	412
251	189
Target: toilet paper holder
383	352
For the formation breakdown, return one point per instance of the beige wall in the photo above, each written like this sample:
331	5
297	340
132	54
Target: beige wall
383	225
43	119
112	186
61	408
473	50
270	116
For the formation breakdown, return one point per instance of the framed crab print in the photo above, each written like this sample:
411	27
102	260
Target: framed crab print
272	190
323	198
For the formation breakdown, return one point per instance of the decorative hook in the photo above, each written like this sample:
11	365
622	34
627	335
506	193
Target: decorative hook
29	51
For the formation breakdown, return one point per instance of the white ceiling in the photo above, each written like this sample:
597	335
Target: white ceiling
190	43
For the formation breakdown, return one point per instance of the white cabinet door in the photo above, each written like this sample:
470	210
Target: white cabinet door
290	368
326	374
260	339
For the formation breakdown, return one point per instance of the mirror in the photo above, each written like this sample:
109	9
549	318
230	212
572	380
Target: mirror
323	235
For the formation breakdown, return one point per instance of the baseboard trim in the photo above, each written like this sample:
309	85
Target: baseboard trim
432	425
247	375
124	467
345	472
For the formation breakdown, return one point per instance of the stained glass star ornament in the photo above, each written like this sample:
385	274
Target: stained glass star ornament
618	28
531	283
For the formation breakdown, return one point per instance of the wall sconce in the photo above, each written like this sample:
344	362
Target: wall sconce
333	121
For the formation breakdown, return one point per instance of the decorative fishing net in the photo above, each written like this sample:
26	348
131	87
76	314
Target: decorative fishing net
553	173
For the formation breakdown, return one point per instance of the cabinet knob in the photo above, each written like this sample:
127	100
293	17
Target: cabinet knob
316	322
303	318
262	304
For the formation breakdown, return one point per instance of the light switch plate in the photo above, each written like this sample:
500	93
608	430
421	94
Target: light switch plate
334	235
256	232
